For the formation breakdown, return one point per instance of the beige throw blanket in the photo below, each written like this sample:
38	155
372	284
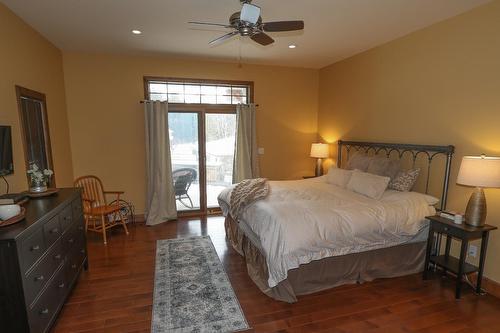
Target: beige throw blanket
245	193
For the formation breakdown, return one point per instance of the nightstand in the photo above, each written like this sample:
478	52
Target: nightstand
465	233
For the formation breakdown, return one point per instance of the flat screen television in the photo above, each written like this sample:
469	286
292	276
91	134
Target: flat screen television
6	164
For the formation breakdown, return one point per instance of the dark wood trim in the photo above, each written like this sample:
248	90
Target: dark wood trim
32	94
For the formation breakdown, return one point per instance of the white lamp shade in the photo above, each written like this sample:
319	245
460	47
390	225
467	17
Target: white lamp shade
480	171
320	150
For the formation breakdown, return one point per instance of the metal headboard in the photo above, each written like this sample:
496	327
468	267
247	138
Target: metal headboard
415	150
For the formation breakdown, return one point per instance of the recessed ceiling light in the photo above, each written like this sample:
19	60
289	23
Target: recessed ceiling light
136	32
292	46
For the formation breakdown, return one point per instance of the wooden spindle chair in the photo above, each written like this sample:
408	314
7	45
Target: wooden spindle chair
99	216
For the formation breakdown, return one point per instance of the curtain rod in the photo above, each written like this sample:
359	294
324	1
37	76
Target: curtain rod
146	100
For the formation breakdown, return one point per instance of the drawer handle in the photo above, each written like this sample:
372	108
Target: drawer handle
54	231
35	248
39	278
445	228
73	266
82	251
71	240
61	285
57	257
44	311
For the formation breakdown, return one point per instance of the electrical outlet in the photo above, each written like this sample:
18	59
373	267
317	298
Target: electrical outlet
472	251
260	151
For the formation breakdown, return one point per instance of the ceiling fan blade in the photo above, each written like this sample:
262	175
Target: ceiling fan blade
213	24
262	38
223	38
283	26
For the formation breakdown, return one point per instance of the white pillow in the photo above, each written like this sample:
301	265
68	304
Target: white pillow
339	177
429	198
368	184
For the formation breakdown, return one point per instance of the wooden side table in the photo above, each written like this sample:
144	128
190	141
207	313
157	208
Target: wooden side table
458	266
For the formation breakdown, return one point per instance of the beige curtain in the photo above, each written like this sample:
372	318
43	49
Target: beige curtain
246	163
160	195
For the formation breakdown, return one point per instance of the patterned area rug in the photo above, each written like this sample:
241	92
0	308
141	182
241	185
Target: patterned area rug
192	292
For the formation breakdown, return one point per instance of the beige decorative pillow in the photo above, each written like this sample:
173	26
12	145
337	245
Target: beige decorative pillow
339	177
384	166
359	161
368	184
405	180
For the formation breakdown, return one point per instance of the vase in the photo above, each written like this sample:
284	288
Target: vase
38	187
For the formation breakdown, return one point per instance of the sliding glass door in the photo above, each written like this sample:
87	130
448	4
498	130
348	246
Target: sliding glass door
202	149
220	129
185	155
202	126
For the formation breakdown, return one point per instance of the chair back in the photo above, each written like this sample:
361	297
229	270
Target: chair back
92	190
182	179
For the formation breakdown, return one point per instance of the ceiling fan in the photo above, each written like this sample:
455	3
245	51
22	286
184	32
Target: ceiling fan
248	22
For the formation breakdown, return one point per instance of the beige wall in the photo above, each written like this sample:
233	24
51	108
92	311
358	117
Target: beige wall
29	60
107	126
440	85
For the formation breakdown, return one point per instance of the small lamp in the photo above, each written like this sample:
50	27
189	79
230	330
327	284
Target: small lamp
319	151
481	172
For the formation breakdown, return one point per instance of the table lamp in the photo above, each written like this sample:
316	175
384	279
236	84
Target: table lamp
479	171
319	151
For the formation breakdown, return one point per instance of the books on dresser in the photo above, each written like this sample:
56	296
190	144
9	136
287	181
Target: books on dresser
13	198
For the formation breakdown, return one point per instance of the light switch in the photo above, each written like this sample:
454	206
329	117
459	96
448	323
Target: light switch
261	151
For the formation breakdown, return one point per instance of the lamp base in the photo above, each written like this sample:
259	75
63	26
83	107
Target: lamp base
319	168
475	213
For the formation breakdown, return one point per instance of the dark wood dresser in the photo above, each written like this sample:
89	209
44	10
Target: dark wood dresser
40	260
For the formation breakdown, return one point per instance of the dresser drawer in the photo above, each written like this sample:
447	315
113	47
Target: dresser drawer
71	236
75	259
42	272
44	310
52	231
76	206
32	249
66	218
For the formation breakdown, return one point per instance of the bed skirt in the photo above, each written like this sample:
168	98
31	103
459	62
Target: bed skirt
328	272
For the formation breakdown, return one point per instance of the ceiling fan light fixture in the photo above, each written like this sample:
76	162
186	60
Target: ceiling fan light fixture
136	32
250	13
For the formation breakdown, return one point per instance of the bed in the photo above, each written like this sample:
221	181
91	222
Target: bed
309	235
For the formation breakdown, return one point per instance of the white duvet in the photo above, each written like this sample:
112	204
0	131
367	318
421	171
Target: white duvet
305	220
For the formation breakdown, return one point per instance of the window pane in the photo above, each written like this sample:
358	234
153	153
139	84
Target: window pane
158	97
158	88
240	91
208	90
223	99
176	89
239	100
176	98
207	99
192	99
192	90
223	90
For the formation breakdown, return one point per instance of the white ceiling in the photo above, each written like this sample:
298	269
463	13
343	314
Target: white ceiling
334	29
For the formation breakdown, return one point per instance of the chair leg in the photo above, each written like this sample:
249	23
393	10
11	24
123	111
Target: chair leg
103	222
189	198
122	219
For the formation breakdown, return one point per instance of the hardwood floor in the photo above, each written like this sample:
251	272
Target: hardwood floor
115	295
